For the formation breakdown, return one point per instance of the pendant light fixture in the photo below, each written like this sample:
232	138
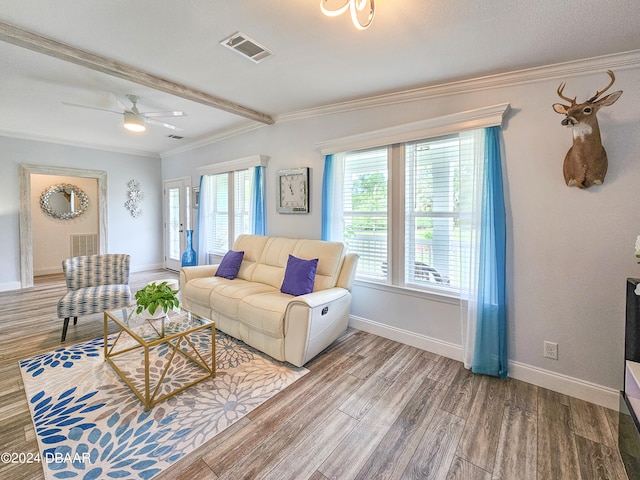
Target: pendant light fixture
362	11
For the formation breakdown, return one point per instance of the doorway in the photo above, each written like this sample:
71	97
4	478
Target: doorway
177	219
26	229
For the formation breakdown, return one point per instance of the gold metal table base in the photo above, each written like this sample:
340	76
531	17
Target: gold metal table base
151	395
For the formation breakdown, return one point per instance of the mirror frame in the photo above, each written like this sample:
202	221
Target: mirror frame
46	207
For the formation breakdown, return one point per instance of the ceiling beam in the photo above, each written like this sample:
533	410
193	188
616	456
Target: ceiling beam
38	43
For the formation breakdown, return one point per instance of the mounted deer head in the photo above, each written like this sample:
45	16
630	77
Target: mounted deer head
586	161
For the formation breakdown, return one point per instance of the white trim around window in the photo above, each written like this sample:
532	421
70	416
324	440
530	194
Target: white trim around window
429	128
395	141
233	165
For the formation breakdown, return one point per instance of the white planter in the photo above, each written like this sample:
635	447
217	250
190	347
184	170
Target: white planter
159	313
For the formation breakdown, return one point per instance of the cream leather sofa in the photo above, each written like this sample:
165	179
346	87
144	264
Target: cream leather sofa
251	307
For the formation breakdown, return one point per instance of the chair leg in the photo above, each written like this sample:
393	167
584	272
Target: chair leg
75	320
64	329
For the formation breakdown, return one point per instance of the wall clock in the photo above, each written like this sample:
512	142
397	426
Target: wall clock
293	190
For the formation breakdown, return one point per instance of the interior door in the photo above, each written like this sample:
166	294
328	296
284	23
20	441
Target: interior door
175	223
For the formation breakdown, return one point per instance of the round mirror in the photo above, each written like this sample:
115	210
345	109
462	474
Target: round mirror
64	201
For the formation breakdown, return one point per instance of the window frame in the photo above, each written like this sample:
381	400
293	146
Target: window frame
394	138
230	168
233	227
397	243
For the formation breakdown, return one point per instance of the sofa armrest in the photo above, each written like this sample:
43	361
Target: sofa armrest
313	321
321	297
348	271
199	271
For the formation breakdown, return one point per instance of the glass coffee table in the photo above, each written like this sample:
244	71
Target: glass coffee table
159	358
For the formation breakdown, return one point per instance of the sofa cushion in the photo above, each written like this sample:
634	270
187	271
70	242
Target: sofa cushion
230	265
252	246
198	290
270	268
330	255
299	276
264	312
226	296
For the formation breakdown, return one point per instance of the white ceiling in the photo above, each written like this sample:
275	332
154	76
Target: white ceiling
317	60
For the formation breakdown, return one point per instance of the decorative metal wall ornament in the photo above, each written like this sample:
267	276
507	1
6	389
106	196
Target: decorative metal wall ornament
135	197
64	201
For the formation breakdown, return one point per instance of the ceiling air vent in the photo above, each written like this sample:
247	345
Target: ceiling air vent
175	137
247	47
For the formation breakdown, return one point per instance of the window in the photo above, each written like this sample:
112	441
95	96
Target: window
423	230
365	205
402	210
226	197
232	199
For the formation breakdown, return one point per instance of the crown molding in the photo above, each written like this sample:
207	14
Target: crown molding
620	61
71	143
213	138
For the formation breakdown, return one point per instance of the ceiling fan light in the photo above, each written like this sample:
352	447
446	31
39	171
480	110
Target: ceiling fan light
134	122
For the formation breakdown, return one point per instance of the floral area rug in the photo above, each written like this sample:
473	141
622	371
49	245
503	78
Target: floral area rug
90	425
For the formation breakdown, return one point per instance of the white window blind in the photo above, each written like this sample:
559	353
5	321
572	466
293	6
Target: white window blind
365	202
433	173
228	203
241	199
433	170
220	210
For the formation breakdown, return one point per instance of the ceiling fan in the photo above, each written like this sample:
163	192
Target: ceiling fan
134	119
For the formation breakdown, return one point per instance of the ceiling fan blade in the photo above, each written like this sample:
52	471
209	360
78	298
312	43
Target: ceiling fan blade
89	107
173	113
121	104
162	124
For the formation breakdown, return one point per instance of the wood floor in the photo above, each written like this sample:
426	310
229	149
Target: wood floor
369	408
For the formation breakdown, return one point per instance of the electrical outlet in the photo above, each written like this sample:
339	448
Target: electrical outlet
551	350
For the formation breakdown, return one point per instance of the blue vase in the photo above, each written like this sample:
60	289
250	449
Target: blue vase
189	257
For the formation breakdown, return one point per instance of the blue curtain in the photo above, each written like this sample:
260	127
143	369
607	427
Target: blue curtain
327	197
258	201
490	352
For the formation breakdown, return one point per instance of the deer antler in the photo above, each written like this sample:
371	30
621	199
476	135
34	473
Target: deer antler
600	92
560	89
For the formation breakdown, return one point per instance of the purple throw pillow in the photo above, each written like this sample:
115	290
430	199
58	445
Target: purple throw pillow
299	276
230	265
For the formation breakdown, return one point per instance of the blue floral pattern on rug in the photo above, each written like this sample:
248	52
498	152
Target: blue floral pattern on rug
90	425
62	357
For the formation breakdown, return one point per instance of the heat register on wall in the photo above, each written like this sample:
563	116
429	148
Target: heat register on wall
84	244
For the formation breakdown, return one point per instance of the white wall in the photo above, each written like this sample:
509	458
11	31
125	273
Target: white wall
569	251
51	236
140	237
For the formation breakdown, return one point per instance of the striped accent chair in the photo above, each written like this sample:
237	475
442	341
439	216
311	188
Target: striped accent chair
95	283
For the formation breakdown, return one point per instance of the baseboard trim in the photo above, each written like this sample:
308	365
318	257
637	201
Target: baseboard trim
574	387
423	342
558	382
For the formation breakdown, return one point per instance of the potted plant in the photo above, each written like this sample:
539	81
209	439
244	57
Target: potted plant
156	299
